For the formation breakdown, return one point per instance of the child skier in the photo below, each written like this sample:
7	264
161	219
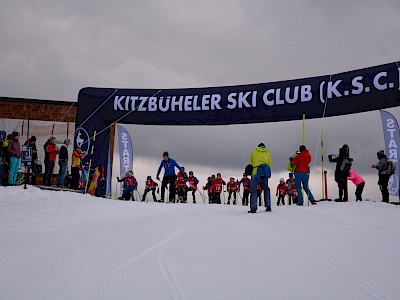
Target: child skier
232	188
281	191
217	188
246	189
181	187
151	185
130	185
359	183
208	187
290	183
193	181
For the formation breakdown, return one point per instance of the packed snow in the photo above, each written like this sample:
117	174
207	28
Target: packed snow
63	245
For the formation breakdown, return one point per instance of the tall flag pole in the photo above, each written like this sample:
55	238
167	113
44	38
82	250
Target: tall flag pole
392	143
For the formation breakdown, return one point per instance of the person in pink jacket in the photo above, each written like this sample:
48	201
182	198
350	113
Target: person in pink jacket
358	181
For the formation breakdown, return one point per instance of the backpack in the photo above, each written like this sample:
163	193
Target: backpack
248	170
390	168
345	165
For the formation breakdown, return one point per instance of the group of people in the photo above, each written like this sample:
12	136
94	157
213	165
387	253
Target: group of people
10	161
181	184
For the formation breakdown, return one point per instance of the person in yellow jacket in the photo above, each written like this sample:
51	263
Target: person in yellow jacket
76	166
261	161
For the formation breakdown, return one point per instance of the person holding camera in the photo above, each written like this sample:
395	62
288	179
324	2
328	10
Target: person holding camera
343	166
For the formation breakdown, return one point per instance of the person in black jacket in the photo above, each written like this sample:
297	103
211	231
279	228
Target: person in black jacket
32	143
63	163
383	180
343	165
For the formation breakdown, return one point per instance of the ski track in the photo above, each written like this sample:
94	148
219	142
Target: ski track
332	265
172	282
157	245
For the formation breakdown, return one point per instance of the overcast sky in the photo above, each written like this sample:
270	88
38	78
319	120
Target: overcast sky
52	49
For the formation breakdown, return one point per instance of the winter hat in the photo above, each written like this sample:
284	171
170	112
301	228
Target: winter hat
213	176
219	174
281	180
261	145
165	154
381	154
302	148
33	138
244	174
148	177
14	134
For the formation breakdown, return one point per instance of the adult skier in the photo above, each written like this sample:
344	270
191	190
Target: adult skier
169	165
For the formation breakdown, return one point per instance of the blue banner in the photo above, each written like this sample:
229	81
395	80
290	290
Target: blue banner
125	150
392	140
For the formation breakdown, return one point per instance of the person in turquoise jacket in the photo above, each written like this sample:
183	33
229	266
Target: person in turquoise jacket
261	161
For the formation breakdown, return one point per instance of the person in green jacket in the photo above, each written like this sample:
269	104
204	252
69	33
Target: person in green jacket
261	161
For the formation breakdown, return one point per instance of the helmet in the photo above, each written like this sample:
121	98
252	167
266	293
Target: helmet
232	178
281	180
148	177
190	172
244	174
129	173
290	174
213	176
219	174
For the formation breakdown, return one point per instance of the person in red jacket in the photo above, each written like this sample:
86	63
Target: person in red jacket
302	162
181	186
246	189
281	191
151	185
232	188
52	151
217	188
130	185
192	181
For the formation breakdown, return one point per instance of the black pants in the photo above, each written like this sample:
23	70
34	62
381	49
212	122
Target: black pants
49	167
383	185
75	178
230	196
359	190
281	198
342	185
171	181
193	194
245	200
217	198
153	192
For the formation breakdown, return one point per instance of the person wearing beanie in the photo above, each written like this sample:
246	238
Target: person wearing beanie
193	181
246	189
281	191
383	180
343	165
151	186
169	165
232	187
291	189
302	162
261	160
14	151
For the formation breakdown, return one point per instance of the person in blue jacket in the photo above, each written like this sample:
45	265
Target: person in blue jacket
169	165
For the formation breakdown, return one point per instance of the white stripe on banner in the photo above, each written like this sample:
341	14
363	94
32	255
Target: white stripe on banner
125	150
392	141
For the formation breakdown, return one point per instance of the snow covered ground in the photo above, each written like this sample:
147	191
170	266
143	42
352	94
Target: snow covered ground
61	245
